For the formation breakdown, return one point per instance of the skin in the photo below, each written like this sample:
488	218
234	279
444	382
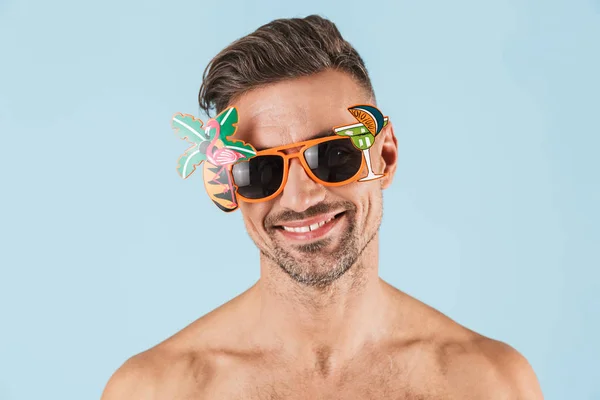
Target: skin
320	323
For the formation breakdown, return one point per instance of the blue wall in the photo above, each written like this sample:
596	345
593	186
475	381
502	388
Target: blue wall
493	217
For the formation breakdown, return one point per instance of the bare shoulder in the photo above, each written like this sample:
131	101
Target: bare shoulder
181	366
479	365
134	379
514	374
461	363
160	372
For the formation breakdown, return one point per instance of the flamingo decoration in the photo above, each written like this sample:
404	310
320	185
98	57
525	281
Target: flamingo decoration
220	156
212	146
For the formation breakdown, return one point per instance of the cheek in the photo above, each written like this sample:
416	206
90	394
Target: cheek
254	217
357	193
366	196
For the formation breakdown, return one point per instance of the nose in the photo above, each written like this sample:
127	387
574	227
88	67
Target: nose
300	191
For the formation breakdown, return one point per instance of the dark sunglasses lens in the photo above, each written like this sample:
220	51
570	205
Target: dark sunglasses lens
259	177
334	161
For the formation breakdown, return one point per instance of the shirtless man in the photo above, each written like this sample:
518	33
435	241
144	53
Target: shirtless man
319	323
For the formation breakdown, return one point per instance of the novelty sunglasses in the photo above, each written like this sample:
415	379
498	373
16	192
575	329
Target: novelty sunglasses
234	169
329	161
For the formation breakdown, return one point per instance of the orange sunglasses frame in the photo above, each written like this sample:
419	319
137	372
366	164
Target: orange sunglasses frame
278	151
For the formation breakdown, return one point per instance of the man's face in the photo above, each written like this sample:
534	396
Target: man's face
293	111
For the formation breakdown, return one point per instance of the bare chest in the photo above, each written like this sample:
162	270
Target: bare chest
385	379
304	391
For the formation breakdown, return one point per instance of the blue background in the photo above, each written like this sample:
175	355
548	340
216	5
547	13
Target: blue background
493	217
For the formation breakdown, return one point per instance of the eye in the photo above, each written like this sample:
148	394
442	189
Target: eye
266	172
337	155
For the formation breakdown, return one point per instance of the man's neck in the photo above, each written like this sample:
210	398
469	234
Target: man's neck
336	320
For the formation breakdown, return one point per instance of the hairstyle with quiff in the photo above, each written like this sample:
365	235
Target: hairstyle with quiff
282	49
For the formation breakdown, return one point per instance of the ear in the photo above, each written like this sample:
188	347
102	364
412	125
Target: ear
389	155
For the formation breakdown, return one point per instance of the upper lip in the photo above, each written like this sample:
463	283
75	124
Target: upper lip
309	221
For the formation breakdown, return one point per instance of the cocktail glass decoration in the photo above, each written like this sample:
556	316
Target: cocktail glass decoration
371	122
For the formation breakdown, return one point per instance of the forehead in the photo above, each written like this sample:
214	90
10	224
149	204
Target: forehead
297	109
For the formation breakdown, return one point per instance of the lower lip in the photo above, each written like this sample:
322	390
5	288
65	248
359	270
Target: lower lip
312	235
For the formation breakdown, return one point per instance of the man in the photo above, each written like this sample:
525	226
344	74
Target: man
319	323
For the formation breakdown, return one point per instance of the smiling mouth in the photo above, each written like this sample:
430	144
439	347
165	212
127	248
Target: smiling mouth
308	227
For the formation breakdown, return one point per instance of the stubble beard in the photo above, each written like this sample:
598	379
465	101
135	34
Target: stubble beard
312	264
315	266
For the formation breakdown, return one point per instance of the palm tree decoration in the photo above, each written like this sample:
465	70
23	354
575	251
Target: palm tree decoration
211	146
371	122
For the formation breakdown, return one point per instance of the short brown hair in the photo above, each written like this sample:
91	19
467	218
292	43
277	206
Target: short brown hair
282	49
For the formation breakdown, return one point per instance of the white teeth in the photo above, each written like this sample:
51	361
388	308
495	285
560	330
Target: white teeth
302	229
299	229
